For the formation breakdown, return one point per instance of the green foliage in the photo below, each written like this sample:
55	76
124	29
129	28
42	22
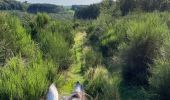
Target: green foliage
26	73
10	80
136	41
115	36
53	42
95	33
147	36
127	6
107	8
15	38
37	49
100	84
160	81
54	46
65	28
89	12
23	75
92	58
21	81
42	19
45	8
132	93
11	5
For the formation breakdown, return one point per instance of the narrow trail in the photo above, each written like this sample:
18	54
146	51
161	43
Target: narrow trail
78	51
74	73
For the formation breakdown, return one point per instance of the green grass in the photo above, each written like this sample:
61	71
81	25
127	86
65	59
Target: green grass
74	72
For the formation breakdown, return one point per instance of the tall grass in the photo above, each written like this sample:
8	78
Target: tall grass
100	84
15	37
160	82
147	36
24	74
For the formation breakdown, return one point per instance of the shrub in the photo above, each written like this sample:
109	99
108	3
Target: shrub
54	43
132	93
14	37
54	47
100	84
42	20
24	75
147	36
92	58
64	28
18	81
160	82
114	36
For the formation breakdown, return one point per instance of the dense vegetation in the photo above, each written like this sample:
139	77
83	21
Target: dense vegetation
30	8
118	50
89	12
11	5
49	8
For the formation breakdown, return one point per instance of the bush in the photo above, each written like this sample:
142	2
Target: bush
100	84
65	29
18	81
115	36
54	43
15	39
160	82
92	58
24	75
147	36
55	47
42	20
132	93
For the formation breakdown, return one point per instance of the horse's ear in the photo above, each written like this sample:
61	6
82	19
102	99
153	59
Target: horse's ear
52	93
78	87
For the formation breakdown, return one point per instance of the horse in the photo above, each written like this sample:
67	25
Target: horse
52	93
77	94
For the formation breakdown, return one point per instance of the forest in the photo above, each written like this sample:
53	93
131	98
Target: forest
118	50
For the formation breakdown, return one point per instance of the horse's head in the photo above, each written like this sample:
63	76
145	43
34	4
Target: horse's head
78	93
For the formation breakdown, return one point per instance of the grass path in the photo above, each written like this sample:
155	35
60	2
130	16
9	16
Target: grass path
74	73
75	70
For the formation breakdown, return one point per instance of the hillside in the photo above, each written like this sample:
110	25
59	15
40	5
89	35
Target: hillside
11	5
32	8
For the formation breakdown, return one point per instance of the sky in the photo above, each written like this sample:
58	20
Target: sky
64	2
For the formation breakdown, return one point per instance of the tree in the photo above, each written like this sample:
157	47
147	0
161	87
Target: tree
126	6
107	7
46	8
11	5
145	5
89	12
